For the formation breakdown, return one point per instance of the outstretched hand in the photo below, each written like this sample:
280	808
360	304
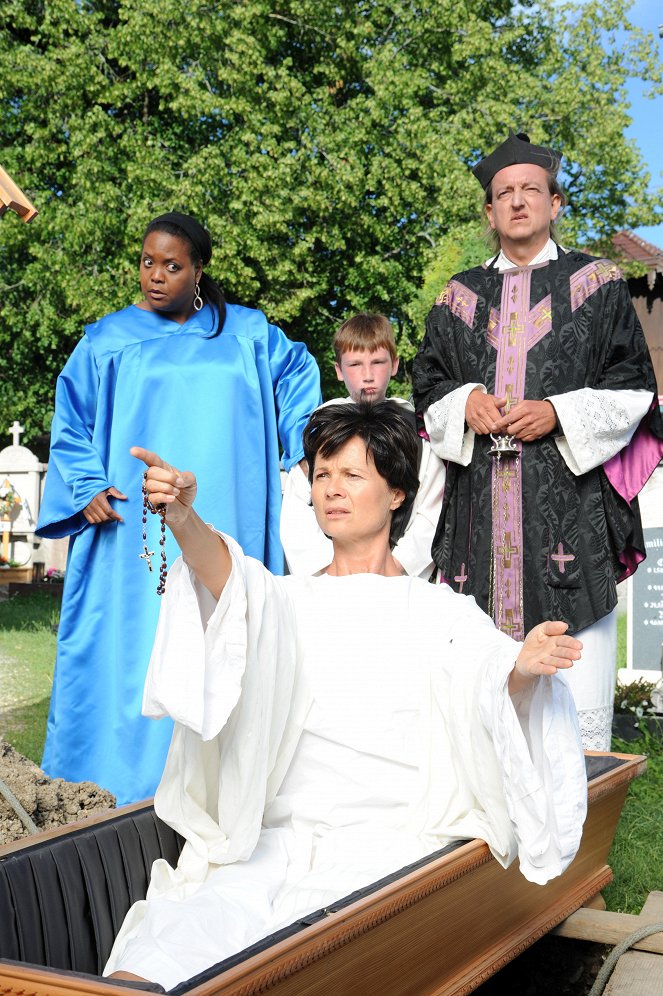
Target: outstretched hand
545	650
204	550
168	486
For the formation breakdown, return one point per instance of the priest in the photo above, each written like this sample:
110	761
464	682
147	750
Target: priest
537	388
332	729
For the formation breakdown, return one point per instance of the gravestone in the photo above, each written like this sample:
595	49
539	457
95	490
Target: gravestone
644	629
646	608
21	474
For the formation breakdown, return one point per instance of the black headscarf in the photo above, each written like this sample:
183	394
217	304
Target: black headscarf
194	231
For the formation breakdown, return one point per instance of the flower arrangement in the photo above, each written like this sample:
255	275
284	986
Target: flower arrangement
9	499
636	699
54	575
6	564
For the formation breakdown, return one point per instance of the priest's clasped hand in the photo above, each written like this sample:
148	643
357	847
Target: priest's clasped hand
528	420
545	650
167	486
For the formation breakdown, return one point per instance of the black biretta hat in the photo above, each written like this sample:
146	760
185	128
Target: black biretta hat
516	149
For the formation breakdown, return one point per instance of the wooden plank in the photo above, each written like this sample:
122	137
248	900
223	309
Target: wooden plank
636	974
12	197
653	908
605	927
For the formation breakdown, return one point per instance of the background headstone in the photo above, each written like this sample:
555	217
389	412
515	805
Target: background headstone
644	629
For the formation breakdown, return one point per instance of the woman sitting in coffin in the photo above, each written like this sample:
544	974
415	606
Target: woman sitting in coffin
333	729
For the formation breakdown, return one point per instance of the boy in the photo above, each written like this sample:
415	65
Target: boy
366	360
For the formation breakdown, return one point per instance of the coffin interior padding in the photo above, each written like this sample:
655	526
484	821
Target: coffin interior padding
62	900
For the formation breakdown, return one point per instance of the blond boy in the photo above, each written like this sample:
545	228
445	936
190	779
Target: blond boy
366	360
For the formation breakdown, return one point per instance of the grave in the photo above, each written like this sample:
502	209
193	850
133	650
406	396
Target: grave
21	478
644	593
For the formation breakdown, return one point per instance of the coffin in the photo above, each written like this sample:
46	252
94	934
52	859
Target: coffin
443	925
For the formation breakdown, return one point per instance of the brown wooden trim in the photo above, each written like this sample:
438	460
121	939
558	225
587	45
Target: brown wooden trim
44	836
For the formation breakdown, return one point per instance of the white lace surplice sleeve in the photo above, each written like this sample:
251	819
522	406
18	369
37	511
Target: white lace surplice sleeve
445	425
227	673
522	760
597	424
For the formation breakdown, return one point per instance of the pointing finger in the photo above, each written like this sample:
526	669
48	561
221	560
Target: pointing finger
149	458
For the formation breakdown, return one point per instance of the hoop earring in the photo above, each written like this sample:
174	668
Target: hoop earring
197	299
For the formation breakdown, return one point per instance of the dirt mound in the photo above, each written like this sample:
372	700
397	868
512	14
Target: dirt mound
49	802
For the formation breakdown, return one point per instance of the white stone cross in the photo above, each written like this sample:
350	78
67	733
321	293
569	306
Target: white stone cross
16	430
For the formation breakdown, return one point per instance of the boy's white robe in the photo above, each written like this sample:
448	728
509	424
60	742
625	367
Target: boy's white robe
329	731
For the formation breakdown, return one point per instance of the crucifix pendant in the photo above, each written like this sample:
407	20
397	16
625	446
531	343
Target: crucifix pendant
147	555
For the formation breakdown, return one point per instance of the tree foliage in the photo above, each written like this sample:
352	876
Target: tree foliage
325	144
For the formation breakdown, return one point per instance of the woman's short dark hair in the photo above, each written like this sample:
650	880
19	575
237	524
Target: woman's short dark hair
389	437
199	246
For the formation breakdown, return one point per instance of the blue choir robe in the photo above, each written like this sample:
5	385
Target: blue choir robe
213	403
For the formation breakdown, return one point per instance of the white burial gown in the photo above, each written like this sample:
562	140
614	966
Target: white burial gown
328	732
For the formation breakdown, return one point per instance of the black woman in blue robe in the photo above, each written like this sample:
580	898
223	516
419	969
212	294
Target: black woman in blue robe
180	370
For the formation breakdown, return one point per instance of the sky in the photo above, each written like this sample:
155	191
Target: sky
647	126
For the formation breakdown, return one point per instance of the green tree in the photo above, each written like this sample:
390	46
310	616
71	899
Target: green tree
325	145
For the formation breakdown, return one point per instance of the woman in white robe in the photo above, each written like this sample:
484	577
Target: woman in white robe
330	730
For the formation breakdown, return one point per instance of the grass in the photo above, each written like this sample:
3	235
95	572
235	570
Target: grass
27	659
636	857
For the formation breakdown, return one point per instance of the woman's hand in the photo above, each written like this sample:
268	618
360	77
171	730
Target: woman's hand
545	650
204	550
167	486
100	510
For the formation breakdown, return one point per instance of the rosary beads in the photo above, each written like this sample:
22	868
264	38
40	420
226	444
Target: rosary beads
147	555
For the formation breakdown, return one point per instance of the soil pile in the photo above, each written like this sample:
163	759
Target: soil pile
49	802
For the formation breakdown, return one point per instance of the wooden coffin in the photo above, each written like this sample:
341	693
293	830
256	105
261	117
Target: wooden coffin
443	925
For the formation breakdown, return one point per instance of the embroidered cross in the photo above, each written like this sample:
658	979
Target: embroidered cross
508	625
462	577
562	558
147	555
514	328
506	473
506	550
606	270
511	399
545	316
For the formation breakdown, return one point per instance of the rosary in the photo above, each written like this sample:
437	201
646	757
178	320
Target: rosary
147	555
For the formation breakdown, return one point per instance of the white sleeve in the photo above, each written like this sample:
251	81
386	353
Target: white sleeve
227	673
307	549
597	424
445	425
537	742
522	757
413	550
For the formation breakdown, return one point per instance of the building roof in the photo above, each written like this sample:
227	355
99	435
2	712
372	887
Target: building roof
629	246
